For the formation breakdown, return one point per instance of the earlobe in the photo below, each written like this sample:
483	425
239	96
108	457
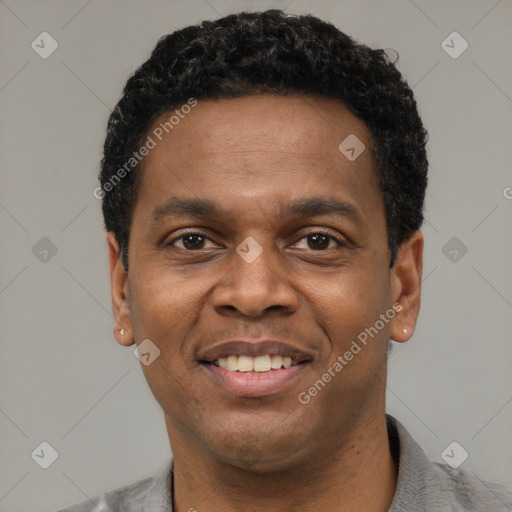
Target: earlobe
120	294
406	287
123	336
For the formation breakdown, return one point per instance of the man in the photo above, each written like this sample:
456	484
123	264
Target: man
263	180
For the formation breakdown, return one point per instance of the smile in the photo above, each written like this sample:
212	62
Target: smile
259	364
253	368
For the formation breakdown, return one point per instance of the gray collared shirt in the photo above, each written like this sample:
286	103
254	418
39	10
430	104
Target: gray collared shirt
422	486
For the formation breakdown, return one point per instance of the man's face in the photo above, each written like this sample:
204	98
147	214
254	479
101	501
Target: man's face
193	282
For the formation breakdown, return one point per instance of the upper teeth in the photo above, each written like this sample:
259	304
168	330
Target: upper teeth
257	364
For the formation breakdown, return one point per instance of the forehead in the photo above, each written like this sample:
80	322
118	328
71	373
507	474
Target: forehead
305	127
264	148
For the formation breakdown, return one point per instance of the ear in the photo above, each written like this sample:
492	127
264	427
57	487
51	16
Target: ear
120	293
406	287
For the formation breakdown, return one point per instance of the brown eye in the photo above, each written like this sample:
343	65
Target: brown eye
191	241
320	241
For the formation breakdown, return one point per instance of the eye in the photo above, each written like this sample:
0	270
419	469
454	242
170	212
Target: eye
191	241
320	240
316	241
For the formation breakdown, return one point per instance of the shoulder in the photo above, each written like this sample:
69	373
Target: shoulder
425	485
149	493
117	500
469	492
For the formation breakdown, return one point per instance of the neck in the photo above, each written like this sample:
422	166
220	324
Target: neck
357	473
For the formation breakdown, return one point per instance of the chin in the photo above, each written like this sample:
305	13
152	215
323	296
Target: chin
260	462
260	451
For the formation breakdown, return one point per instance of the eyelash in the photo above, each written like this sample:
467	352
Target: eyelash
339	242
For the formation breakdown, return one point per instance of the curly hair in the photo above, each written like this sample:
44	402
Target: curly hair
272	52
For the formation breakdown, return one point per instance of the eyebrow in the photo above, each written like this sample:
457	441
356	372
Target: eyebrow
177	207
191	207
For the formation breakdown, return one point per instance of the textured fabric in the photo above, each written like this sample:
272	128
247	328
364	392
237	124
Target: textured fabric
422	486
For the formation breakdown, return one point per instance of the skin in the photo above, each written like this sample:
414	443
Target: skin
252	155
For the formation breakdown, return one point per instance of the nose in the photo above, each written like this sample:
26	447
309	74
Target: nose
251	288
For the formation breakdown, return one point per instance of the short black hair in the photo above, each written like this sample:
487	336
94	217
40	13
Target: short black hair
271	52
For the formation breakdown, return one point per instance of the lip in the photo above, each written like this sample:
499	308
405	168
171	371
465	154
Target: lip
249	384
254	348
255	384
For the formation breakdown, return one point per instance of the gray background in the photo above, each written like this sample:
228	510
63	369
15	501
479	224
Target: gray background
63	377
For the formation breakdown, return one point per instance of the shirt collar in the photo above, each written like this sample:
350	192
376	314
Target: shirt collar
420	484
159	496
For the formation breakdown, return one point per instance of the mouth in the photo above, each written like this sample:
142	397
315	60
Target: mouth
254	368
260	364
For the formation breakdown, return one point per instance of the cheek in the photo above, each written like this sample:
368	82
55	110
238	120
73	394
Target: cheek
347	311
348	302
354	369
164	303
165	310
